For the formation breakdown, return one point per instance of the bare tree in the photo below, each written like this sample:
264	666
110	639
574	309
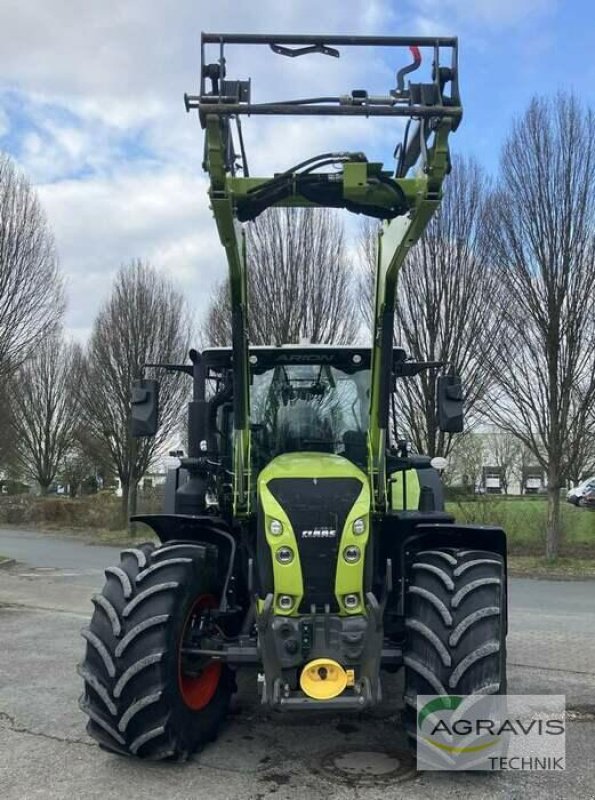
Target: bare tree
78	466
444	308
216	330
466	461
93	450
299	283
583	465
8	441
44	408
505	453
31	290
542	235
367	256
145	320
528	471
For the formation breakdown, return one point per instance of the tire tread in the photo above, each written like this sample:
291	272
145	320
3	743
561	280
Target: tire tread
130	670
463	617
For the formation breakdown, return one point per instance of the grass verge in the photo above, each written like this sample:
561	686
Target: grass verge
95	521
114	538
524	520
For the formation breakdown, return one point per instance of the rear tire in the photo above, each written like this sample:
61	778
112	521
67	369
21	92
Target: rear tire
137	699
456	625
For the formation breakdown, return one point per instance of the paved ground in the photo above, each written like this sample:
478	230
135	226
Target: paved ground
45	753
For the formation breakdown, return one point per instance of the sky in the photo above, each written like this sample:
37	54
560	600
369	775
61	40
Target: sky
91	109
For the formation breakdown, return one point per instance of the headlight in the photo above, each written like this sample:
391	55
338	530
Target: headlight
276	527
284	555
359	526
351	601
285	602
351	554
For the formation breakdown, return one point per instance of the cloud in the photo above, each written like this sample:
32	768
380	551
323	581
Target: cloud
126	62
158	215
4	123
53	143
455	14
94	115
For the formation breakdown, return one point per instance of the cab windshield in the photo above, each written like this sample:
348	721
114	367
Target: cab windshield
309	407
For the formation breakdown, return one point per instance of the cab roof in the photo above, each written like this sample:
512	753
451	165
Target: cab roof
262	358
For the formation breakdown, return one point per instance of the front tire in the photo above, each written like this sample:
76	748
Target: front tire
456	625
137	696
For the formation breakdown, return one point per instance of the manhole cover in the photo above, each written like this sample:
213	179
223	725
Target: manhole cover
369	766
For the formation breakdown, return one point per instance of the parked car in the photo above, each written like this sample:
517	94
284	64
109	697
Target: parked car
587	499
574	495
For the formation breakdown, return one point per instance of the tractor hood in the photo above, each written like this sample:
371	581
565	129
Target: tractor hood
313	529
311	465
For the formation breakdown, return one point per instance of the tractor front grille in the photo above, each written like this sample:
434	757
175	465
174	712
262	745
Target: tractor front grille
317	509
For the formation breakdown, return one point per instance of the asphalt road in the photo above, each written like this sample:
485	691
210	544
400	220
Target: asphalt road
65	553
45	753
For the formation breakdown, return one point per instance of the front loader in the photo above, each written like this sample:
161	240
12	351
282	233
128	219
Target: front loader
296	537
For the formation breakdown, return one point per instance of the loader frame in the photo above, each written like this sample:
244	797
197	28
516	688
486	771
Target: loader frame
404	203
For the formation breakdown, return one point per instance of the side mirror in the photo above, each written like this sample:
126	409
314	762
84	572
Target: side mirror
450	403
145	408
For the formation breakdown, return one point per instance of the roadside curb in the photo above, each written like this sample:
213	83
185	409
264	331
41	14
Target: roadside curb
557	576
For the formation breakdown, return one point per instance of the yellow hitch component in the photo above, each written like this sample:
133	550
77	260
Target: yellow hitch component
323	679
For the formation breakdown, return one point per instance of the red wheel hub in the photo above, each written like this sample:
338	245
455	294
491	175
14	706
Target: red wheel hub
198	690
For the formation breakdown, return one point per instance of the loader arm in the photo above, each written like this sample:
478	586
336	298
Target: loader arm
233	240
405	204
395	239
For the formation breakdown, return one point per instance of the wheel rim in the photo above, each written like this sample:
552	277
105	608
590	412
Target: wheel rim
198	690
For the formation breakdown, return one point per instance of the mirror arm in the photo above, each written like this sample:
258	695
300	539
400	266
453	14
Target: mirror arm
186	368
407	369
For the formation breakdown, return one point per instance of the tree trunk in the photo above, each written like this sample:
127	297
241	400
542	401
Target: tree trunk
132	504
125	496
552	533
431	425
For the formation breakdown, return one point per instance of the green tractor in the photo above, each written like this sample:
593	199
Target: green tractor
296	537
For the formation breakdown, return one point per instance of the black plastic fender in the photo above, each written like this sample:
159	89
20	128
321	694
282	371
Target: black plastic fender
202	529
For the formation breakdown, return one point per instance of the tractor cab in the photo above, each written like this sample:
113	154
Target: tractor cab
302	399
305	399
